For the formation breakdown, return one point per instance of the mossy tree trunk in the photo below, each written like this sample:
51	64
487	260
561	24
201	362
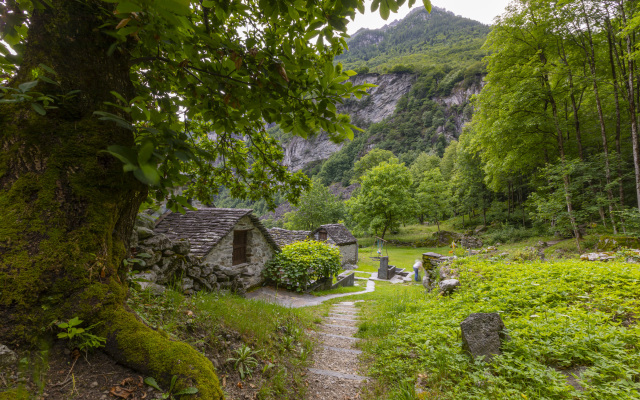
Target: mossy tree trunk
68	208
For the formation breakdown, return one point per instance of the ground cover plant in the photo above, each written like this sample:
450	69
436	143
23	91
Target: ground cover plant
562	317
273	350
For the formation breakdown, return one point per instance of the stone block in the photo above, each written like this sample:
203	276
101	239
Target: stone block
187	283
154	288
143	233
149	276
158	242
182	246
7	356
207	269
194	272
448	286
145	221
483	334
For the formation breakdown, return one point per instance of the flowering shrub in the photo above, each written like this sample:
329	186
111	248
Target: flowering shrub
302	262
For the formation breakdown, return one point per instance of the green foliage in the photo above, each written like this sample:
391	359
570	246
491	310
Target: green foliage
384	200
372	159
509	234
254	62
80	337
433	195
317	206
170	394
337	168
300	263
549	201
244	361
560	316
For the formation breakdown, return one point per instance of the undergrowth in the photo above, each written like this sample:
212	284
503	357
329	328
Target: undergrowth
220	325
561	316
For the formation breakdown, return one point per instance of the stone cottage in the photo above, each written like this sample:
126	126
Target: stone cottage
231	242
340	236
285	237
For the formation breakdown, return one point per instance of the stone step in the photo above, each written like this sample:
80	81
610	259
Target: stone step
339	336
337	374
344	312
339	330
349	311
343	350
331	360
340	326
341	319
324	387
344	315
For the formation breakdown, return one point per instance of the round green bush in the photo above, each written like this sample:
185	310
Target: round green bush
300	263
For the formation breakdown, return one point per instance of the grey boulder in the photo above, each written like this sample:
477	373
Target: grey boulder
483	334
7	356
448	286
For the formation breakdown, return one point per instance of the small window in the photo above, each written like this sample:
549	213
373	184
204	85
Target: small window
239	247
322	235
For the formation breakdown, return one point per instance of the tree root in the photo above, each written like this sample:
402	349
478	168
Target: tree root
135	345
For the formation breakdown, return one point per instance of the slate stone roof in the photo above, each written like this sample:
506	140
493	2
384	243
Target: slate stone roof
284	237
207	226
339	233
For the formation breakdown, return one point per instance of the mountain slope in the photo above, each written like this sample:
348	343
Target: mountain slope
420	40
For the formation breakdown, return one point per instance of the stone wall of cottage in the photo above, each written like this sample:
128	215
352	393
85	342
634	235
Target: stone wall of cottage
349	254
169	261
248	274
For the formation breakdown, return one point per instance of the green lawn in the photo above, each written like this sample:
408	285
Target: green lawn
402	257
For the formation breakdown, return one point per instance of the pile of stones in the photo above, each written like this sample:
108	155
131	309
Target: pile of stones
439	273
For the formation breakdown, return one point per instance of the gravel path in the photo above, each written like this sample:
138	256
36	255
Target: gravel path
335	375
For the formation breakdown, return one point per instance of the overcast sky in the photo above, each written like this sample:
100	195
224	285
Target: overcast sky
480	10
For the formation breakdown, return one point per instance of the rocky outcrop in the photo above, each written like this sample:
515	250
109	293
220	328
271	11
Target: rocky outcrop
380	104
382	100
299	152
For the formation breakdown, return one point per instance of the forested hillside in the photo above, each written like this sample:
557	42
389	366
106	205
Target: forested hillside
420	40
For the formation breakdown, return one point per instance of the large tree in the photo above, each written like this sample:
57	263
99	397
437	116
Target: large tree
384	199
180	92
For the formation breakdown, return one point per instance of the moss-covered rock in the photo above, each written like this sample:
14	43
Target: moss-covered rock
611	243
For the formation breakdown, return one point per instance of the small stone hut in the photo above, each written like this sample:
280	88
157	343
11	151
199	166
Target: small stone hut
340	236
285	237
231	241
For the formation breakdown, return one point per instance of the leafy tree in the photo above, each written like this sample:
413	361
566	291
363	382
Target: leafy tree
372	159
448	162
433	195
384	200
317	206
423	163
90	86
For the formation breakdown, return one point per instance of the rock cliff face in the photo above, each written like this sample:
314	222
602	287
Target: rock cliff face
382	100
453	106
379	105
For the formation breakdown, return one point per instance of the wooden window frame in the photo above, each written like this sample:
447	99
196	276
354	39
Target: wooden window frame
240	253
